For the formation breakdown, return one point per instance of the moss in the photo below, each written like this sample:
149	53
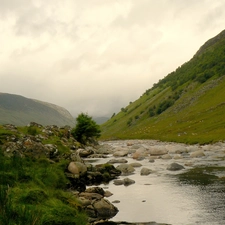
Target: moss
201	176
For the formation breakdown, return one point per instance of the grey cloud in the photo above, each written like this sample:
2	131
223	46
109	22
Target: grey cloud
11	7
34	24
212	17
24	52
145	12
85	63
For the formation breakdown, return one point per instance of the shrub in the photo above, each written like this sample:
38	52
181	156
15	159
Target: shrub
86	129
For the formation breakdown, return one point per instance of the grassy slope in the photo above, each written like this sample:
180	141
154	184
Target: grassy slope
34	191
20	111
197	116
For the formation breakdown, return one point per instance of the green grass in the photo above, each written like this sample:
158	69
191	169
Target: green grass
187	105
34	192
201	121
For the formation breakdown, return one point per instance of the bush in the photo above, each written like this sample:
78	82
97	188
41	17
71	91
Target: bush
86	129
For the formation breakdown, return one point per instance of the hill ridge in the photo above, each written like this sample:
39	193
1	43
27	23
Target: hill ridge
19	110
187	105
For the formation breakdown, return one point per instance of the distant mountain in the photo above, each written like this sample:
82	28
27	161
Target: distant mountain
100	120
187	105
19	110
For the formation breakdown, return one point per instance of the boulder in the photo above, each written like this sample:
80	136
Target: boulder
104	149
196	154
125	168
85	152
139	154
145	171
177	156
118	182
156	151
90	196
127	181
108	194
136	164
167	156
94	204
98	190
120	152
104	209
77	168
175	167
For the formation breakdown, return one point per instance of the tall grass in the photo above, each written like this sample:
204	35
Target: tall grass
33	192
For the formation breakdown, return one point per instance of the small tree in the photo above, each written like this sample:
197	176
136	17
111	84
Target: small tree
86	129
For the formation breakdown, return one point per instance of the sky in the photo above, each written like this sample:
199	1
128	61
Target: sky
97	56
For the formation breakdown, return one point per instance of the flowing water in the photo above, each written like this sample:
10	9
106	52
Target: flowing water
166	197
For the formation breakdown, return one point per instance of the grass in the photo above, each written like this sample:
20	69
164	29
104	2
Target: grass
34	192
189	121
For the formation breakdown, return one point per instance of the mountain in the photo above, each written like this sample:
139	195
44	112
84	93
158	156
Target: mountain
100	120
19	110
188	105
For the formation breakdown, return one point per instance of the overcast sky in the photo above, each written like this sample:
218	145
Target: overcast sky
96	56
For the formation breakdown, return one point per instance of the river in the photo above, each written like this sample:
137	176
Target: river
167	196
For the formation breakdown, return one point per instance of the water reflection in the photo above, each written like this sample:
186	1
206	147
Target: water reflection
188	197
170	199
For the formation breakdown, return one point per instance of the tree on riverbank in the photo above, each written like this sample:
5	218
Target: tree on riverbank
86	129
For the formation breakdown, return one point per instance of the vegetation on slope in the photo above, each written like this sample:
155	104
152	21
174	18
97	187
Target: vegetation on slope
33	190
186	106
18	110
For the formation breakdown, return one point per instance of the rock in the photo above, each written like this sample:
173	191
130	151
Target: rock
97	190
104	209
153	157
116	201
85	152
145	171
118	182
97	156
136	164
108	194
95	205
178	149
90	196
77	168
104	149
76	157
175	167
120	152
125	168
156	151
113	161
84	201
128	181
177	156
135	146
167	156
139	154
196	154
192	148
90	210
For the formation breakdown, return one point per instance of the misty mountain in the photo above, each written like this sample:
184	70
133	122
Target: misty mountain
187	105
19	110
100	120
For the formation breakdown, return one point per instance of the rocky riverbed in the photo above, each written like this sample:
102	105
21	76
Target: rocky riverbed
169	183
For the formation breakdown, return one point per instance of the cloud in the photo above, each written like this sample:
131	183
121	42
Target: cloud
97	56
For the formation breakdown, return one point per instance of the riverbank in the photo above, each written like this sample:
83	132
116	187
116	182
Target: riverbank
137	180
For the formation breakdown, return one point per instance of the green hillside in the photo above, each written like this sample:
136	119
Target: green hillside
188	105
18	110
